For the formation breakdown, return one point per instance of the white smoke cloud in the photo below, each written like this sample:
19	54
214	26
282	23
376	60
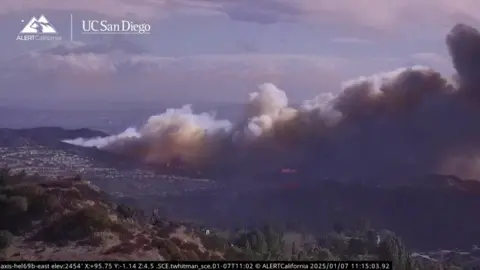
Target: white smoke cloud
101	142
407	121
176	133
388	125
270	122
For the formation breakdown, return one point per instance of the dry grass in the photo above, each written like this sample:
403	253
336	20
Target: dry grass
74	221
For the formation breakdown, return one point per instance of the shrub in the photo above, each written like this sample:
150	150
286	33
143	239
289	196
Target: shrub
143	241
3	202
122	231
177	241
177	257
171	246
125	248
165	232
30	197
203	255
189	246
234	253
324	254
12	212
164	253
191	255
12	206
71	194
28	190
173	250
125	211
215	242
159	243
78	225
19	204
357	246
6	239
94	240
3	179
77	178
337	243
45	204
93	217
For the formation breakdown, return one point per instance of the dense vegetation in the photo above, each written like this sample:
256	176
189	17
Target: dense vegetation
315	207
62	211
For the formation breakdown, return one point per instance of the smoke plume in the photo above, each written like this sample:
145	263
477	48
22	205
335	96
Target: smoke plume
408	121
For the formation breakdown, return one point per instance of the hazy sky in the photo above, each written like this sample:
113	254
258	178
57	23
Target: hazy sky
219	50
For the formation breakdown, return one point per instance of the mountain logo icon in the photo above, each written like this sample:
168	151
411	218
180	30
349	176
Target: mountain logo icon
38	26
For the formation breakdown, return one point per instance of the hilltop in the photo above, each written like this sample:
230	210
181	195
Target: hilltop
44	135
67	219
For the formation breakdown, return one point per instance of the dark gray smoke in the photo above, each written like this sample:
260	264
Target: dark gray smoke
408	121
464	45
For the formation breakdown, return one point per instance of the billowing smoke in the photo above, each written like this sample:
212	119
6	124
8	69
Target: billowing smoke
399	123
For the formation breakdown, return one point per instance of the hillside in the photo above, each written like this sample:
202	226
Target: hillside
410	210
71	219
283	199
44	135
48	142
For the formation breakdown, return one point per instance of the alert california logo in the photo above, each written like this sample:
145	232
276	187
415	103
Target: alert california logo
39	29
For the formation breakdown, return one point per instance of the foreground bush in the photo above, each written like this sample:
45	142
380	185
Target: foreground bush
6	239
78	225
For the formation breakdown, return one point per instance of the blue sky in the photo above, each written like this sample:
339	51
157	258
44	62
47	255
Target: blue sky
220	50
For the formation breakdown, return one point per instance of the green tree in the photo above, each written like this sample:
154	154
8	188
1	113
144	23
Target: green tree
125	211
371	239
258	241
391	248
339	227
274	241
323	254
302	256
357	246
294	250
361	227
337	243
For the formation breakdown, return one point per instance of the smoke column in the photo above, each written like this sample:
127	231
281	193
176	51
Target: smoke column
405	122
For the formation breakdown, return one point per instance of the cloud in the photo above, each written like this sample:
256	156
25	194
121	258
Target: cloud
377	14
351	40
371	13
144	9
103	70
108	7
429	57
108	45
246	46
